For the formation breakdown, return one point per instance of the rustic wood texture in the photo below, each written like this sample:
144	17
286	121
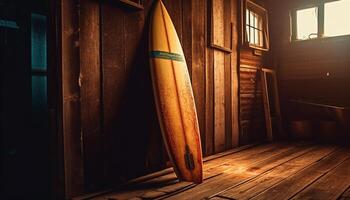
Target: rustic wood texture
235	75
219	101
106	74
330	186
251	104
294	184
270	171
198	65
218	38
251	111
267	109
89	80
73	157
255	186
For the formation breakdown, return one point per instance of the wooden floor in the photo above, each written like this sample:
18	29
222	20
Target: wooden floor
266	171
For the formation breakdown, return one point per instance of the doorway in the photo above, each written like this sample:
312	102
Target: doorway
25	99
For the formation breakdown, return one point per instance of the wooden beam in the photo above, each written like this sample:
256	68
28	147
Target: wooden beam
73	157
90	80
267	109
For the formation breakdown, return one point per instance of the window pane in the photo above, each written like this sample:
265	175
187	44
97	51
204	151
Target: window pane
247	17
247	33
256	37
337	18
256	21
38	42
251	19
306	23
39	92
261	43
252	35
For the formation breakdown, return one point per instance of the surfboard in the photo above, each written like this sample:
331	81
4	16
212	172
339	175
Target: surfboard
174	98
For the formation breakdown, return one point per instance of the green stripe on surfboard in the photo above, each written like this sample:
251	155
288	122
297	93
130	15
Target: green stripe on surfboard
167	55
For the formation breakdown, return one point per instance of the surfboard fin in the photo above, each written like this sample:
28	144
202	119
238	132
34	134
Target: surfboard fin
189	158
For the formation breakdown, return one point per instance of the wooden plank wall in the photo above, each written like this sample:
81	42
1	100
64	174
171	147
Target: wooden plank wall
252	120
303	66
111	133
71	126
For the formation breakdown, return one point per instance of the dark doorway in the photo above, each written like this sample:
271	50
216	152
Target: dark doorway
25	135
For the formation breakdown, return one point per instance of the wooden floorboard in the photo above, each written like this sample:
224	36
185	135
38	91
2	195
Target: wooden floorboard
277	174
330	186
294	184
240	172
268	171
170	184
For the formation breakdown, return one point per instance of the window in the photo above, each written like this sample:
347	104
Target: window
256	26
307	23
337	18
39	61
327	19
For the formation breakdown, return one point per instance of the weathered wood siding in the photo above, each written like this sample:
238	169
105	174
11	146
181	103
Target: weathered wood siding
111	132
252	119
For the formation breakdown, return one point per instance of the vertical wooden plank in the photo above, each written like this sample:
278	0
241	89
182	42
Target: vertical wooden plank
90	80
73	158
266	103
199	63
219	101
114	77
277	106
218	22
209	99
234	74
219	77
187	28
227	71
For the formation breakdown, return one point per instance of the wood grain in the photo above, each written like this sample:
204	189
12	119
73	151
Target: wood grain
219	101
73	158
90	79
241	172
264	181
234	75
209	101
330	186
114	79
291	186
199	65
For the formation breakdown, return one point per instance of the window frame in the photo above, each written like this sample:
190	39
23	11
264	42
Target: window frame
262	12
320	5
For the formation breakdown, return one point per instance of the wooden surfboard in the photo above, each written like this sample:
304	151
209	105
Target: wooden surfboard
174	97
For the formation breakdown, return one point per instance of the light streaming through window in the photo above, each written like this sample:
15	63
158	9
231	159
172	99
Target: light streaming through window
307	23
254	28
337	18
